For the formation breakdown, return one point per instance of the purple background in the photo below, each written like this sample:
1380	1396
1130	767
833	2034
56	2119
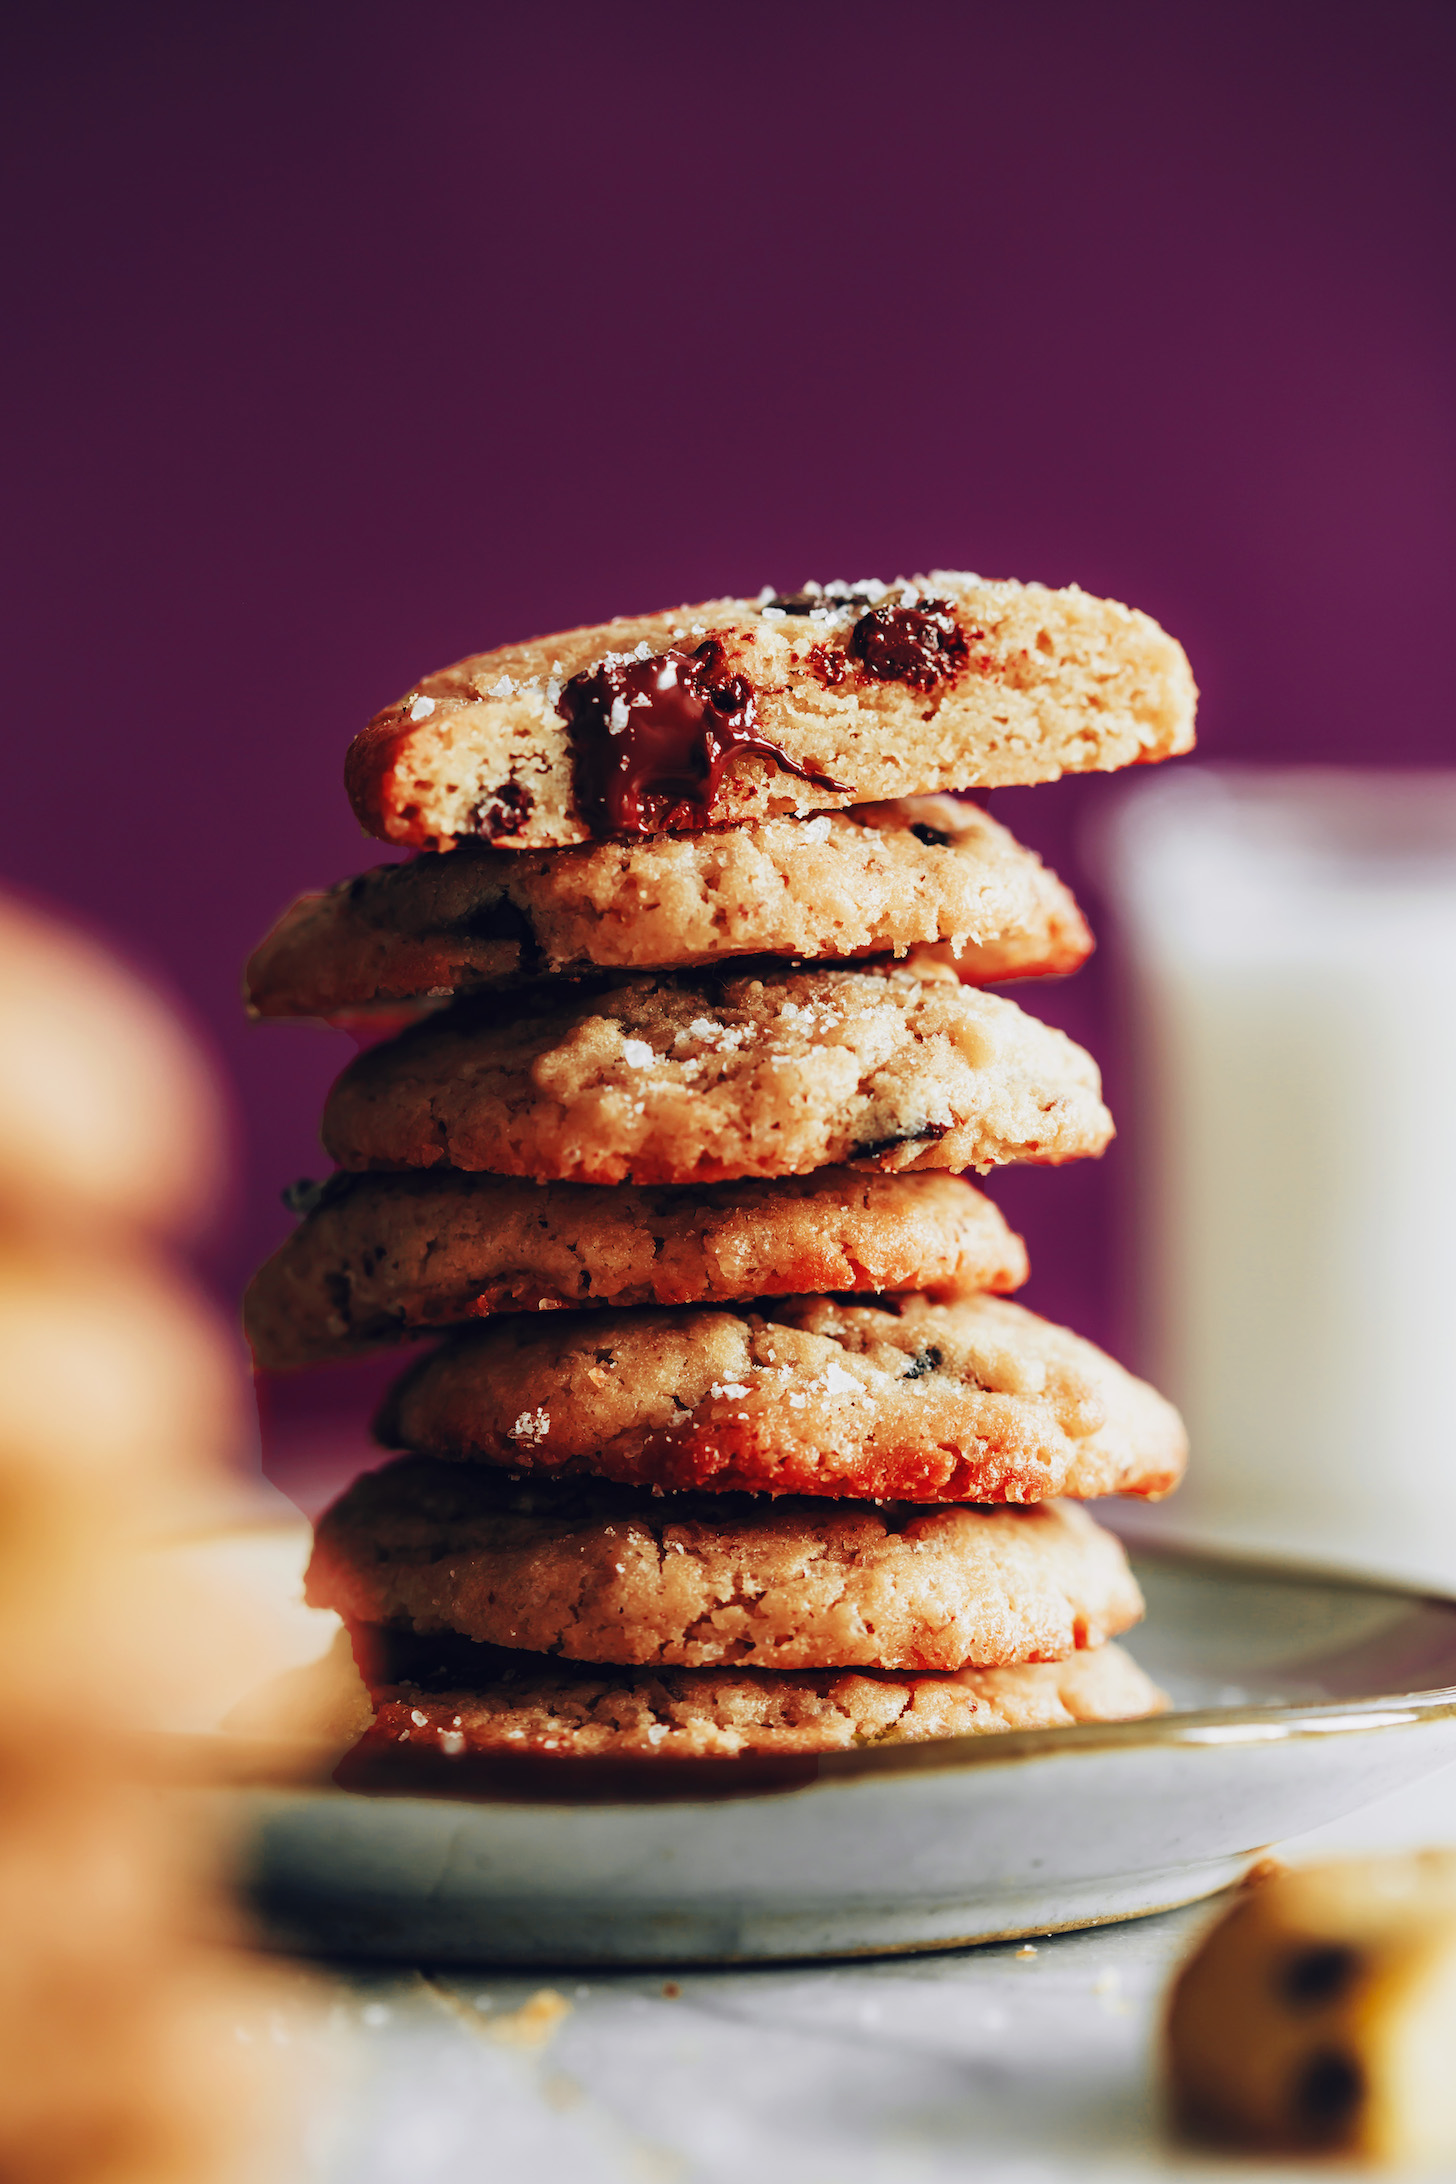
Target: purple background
347	339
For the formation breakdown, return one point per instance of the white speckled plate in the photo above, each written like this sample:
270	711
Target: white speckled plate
1296	1698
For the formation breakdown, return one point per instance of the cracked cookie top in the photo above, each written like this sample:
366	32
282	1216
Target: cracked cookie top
702	1078
878	880
976	1400
603	1573
381	1258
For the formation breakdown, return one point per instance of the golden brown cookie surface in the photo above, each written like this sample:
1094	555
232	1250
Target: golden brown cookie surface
742	709
385	1257
702	1078
522	1703
977	1400
877	880
602	1573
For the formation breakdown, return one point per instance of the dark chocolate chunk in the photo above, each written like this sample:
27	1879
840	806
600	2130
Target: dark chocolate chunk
503	813
922	645
830	663
924	1361
652	737
498	920
931	837
1326	2093
1318	1975
924	1133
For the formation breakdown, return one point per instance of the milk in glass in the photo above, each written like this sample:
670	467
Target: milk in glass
1289	939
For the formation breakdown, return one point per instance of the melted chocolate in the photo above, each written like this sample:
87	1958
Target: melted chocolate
924	1133
922	645
829	665
503	812
652	737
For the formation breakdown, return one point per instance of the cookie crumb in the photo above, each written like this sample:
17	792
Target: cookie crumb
533	2024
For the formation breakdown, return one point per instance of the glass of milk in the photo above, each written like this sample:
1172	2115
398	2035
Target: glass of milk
1289	945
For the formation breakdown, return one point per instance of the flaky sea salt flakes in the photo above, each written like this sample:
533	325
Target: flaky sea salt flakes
422	709
505	688
452	1743
642	650
729	1387
838	1382
637	1054
531	1426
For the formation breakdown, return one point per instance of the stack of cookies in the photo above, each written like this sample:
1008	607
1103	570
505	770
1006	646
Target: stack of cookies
733	1443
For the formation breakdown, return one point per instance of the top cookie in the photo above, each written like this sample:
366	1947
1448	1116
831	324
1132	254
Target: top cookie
740	709
878	880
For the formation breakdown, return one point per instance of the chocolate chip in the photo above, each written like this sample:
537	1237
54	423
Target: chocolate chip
924	1361
796	603
651	738
923	1133
1327	2091
502	813
931	837
498	920
1318	1975
921	645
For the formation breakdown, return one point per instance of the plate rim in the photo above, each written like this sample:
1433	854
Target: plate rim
1189	1729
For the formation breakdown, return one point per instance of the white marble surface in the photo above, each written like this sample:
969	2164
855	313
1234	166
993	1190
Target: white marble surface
990	2063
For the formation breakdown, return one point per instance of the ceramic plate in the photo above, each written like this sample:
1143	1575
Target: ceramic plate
1296	1698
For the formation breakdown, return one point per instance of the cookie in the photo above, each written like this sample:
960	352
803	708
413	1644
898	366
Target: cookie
108	1114
1318	2016
607	1573
741	709
704	1077
880	879
977	1400
524	1703
384	1257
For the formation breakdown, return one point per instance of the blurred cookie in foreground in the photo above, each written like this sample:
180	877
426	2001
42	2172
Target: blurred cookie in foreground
108	1112
120	1404
876	880
1319	2015
603	1573
381	1258
508	1702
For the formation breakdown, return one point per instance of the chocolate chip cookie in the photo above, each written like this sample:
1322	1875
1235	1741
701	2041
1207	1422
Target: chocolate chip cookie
876	880
741	709
606	1573
976	1400
381	1258
706	1077
517	1702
